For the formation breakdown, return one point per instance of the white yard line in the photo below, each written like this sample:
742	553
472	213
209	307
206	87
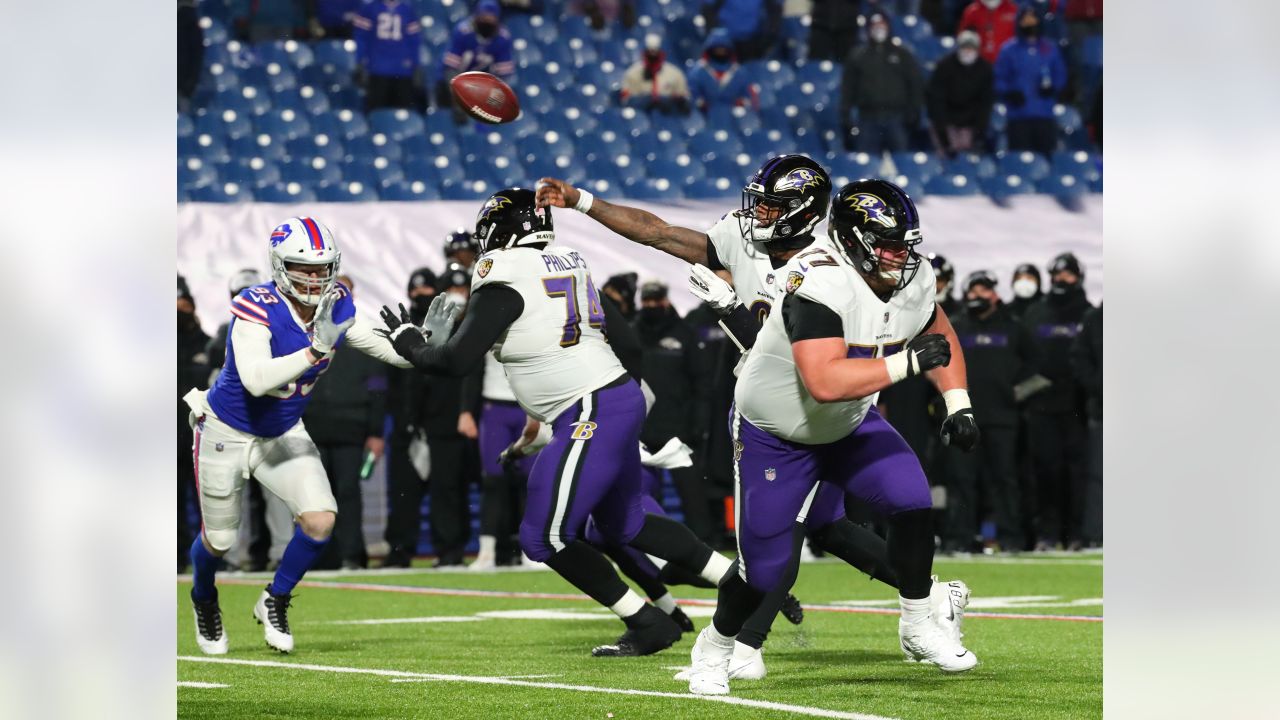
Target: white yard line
409	620
193	684
484	680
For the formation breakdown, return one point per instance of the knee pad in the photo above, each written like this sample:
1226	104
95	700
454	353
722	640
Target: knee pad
220	540
325	521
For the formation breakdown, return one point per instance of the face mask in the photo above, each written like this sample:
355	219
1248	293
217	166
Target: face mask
456	299
1028	31
1061	287
879	34
977	306
967	56
421	303
1025	288
652	315
720	58
486	29
186	320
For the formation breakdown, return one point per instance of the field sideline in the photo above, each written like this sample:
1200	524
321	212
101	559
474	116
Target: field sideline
429	644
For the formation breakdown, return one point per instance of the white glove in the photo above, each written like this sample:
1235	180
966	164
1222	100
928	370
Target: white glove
440	319
709	288
325	332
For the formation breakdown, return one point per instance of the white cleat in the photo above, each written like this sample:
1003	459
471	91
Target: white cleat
947	602
709	674
747	663
530	563
210	635
925	642
272	612
483	562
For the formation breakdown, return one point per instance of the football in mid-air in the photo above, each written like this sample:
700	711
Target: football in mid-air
485	97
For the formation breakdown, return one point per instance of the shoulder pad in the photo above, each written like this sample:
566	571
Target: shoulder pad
253	303
496	267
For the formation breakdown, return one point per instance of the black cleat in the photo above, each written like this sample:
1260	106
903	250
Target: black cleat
686	625
648	631
791	610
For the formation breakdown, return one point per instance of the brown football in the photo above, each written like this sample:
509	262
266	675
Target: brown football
485	97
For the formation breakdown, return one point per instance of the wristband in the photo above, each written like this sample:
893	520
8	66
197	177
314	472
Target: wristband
899	366
584	201
956	400
317	354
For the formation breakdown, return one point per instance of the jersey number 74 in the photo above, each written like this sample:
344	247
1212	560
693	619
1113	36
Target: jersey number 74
566	286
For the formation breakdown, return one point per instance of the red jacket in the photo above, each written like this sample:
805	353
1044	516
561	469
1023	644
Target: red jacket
995	27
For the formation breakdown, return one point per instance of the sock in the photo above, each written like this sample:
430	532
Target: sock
719	639
203	565
734	604
299	555
860	547
629	605
677	544
914	611
635	565
586	569
756	628
488	546
716	568
911	551
676	575
666	603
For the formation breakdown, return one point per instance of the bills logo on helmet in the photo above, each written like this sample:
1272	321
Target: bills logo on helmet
280	234
873	209
484	267
794	279
797	179
495	203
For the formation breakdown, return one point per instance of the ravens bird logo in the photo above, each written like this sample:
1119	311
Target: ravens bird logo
797	179
873	209
495	203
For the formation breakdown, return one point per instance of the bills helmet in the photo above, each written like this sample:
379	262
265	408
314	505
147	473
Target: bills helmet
301	246
868	215
793	185
511	218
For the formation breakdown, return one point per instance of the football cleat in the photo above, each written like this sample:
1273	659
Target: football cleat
709	673
210	636
947	602
272	613
791	610
648	631
925	642
686	625
747	663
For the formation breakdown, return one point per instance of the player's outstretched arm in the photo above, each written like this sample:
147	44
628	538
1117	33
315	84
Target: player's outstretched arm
260	373
364	337
631	223
490	312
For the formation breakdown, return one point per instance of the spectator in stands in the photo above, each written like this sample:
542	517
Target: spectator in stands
754	25
1030	74
334	18
882	81
388	36
652	83
190	52
478	43
1084	20
961	93
265	20
718	83
1026	288
833	28
527	7
675	370
993	20
193	371
1086	357
345	420
603	13
622	290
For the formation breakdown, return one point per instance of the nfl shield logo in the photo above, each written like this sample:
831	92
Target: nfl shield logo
770	474
886	316
218	447
483	268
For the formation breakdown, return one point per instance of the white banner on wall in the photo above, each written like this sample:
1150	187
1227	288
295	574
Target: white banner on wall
383	243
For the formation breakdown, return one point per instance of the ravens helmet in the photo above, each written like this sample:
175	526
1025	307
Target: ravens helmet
867	214
458	241
795	186
512	218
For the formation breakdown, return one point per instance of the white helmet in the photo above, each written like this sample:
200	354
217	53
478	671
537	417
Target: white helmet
245	278
304	241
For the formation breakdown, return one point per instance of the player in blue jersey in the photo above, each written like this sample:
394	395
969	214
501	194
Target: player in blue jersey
281	338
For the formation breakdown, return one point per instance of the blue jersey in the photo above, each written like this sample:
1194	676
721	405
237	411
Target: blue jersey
388	36
468	51
280	409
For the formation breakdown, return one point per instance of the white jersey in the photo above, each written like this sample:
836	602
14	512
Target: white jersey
495	385
555	352
754	278
771	394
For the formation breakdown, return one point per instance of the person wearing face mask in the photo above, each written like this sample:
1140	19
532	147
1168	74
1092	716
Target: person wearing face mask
673	366
945	277
961	93
193	371
1086	357
652	83
993	21
388	36
999	354
834	23
1030	75
478	43
1055	415
1026	289
753	25
622	290
719	83
882	81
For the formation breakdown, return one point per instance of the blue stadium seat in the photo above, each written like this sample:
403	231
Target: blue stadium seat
285	193
536	100
1004	185
546	143
222	192
929	50
448	171
346	97
628	168
273	76
582	52
288	53
976	166
186	126
557	75
852	166
1062	185
633	121
375	172
1069	123
336	58
526	53
600	185
1024	164
440	121
285	124
434	32
224	123
252	100
712	188
735	167
913	186
213	29
911	28
346	192
316	145
209	147
467	190
416	146
350	125
423	169
306	99
571	121
715	142
261	145
605	144
762	144
194	173
747	121
251	172
653	189
375	145
220	77
413	190
1081	164
541	30
396	124
311	172
659	145
999	118
952	184
681	169
795	36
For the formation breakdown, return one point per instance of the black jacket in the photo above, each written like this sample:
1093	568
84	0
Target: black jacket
719	356
675	371
881	78
350	404
429	402
961	95
998	354
1086	357
1054	323
193	372
1019	306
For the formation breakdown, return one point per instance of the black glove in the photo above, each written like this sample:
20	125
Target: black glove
1015	98
961	430
927	352
401	331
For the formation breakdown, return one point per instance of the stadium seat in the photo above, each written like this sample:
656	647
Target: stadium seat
526	53
194	173
1062	185
225	123
913	186
536	100
952	184
546	143
350	124
852	166
396	124
346	97
220	77
435	33
566	167
306	99
1083	165
999	118
653	189
336	58
251	172
712	188
929	50
1024	164
252	100
285	124
571	122
311	172
681	169
374	172
605	144
317	145
285	193
760	145
627	169
631	120
541	30
288	53
186	127
210	147
972	165
467	190
221	192
715	142
448	171
1070	124
273	76
375	145
346	192
261	145
412	190
1004	185
212	29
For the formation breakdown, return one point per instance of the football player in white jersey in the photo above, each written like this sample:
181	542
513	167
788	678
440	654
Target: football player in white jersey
859	314
782	205
536	305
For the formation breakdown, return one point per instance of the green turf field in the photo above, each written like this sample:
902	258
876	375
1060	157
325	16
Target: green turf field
468	657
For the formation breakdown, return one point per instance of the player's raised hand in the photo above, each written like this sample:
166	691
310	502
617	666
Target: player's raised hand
325	332
961	430
710	288
927	352
400	331
440	319
556	193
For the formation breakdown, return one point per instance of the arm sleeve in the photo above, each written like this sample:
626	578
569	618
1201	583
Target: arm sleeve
452	58
809	320
362	337
472	387
713	259
623	339
490	312
259	372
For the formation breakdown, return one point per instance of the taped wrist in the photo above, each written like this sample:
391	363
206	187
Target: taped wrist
956	400
902	366
584	201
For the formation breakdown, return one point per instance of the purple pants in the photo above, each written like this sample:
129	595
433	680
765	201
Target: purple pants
651	483
778	484
590	468
501	423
